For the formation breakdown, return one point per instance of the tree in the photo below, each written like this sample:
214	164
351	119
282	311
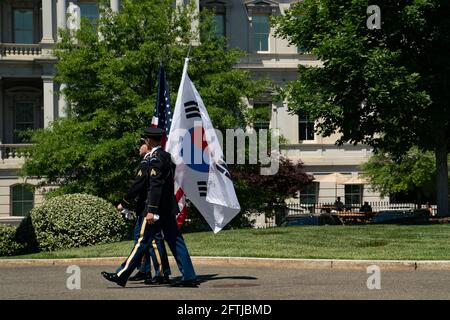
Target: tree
415	171
385	87
260	193
111	87
269	192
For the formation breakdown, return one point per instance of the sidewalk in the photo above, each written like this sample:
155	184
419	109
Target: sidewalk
246	262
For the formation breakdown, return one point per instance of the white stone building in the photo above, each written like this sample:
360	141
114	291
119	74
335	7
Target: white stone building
29	97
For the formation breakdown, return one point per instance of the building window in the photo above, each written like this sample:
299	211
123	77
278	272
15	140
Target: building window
353	194
309	194
261	30
23	120
305	128
301	50
218	11
23	26
90	11
22	199
261	114
219	25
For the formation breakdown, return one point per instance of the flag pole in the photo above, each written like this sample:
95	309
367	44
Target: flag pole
186	62
189	50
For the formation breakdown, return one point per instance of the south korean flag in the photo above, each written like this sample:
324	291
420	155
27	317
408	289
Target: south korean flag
201	172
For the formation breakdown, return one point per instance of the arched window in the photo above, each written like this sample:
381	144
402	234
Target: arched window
22	199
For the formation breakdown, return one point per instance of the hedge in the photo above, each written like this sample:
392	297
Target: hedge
76	220
8	244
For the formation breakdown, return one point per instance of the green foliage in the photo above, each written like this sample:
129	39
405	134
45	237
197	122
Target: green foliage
414	171
111	87
368	242
8	244
258	193
259	113
385	87
76	220
367	86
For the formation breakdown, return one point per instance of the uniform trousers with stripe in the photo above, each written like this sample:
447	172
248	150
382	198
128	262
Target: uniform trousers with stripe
174	239
160	260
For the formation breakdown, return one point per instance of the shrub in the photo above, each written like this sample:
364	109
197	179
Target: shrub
26	237
8	244
76	220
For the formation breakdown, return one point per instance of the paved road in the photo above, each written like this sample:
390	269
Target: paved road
226	282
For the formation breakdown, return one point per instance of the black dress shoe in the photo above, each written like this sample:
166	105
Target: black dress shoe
185	283
139	276
113	277
158	280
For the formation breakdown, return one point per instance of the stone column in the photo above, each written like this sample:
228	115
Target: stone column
1	21
49	102
61	14
62	102
1	111
47	22
115	5
195	23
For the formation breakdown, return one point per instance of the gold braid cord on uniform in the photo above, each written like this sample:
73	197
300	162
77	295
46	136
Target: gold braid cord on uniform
136	247
158	257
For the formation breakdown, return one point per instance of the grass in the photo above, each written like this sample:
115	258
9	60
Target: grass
387	242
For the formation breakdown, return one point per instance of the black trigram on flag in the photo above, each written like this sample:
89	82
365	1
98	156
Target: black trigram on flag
202	188
192	110
223	168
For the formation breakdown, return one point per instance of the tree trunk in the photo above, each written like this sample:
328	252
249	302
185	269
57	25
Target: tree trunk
419	198
442	178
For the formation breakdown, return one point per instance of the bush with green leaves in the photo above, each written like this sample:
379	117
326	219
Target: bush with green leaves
8	244
76	220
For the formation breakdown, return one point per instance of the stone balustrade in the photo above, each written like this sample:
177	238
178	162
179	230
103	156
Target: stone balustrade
21	50
13	151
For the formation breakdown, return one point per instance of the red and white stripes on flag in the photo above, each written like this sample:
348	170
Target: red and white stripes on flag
181	199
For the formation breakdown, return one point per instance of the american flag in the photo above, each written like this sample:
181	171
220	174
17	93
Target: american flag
162	118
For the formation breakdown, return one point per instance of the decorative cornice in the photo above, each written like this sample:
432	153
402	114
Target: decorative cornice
215	5
261	7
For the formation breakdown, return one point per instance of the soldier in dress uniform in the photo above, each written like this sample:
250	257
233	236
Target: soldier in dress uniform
160	214
136	196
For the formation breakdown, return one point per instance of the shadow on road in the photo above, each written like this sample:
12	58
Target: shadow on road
212	277
201	279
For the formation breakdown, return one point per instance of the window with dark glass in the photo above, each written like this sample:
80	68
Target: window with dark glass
261	114
301	50
90	11
309	194
22	197
305	128
261	31
23	120
353	194
219	24
23	26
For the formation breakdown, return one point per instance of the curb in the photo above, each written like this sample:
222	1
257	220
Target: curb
246	262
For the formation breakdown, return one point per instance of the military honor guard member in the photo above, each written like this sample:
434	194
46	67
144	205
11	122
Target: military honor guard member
160	213
137	194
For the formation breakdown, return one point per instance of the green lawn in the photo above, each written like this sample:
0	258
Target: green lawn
390	242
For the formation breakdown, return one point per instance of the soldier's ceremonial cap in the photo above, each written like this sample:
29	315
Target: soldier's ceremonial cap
152	132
